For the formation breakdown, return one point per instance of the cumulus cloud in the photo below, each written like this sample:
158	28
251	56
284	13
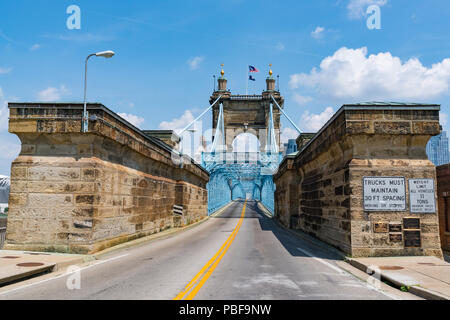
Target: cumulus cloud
288	133
311	122
357	8
194	62
3	111
5	70
178	124
9	148
10	144
52	94
301	100
318	33
133	119
351	73
443	118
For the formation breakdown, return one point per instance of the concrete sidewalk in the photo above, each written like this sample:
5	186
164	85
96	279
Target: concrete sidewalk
19	265
426	277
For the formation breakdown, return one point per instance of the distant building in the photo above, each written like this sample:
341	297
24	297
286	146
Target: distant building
437	149
290	147
4	193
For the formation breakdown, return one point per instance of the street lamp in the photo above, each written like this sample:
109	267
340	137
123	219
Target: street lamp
85	117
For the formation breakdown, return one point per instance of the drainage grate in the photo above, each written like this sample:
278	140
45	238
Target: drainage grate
30	264
9	257
391	268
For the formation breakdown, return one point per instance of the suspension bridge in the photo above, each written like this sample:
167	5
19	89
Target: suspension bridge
243	174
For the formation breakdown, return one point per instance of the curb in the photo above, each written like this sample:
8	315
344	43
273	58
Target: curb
146	239
219	211
157	236
416	290
47	267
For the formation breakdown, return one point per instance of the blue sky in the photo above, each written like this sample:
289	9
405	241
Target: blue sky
167	52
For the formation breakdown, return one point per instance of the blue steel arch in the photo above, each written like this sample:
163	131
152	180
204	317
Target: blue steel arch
237	192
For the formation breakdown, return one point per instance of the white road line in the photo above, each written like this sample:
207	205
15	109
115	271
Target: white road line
322	261
64	274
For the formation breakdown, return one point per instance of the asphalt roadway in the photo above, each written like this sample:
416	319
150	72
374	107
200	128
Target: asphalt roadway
239	254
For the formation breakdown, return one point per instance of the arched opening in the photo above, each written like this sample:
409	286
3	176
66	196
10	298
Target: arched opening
238	192
246	142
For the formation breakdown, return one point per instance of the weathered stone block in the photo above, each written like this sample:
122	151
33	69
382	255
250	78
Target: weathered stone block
381	141
92	190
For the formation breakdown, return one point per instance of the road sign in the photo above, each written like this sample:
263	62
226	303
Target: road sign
421	195
384	193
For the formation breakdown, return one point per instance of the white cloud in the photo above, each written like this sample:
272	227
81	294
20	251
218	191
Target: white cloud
301	100
311	122
5	70
288	133
443	117
4	114
318	33
357	8
35	47
133	119
10	143
194	62
52	94
350	73
178	124
9	148
280	46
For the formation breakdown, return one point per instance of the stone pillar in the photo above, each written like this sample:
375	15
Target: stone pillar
362	145
222	84
83	192
270	84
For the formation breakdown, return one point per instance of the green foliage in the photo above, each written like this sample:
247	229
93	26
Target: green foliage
404	288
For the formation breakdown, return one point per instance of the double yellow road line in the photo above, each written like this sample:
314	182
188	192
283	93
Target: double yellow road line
200	278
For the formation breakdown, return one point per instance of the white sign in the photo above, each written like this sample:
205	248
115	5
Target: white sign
421	195
384	193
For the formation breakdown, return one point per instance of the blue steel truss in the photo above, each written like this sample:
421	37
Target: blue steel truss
240	175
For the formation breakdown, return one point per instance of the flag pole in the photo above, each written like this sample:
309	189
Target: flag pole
246	88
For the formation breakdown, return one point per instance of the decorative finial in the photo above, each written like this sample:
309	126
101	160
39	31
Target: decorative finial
221	71
270	70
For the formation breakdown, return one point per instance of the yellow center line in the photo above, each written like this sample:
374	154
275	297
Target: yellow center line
211	265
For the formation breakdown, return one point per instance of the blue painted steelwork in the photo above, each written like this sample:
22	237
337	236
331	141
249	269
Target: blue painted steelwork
238	175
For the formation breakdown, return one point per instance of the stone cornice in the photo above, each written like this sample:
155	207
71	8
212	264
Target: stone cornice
65	117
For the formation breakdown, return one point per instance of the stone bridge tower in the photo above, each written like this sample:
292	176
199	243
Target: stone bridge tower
247	113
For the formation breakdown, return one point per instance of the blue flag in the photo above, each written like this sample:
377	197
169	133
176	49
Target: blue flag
251	78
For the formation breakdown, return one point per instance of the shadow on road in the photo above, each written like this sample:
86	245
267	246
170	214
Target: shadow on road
288	240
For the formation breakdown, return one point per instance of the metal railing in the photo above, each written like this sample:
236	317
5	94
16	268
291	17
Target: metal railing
2	236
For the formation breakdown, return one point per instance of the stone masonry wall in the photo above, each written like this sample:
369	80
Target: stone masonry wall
320	191
75	192
443	182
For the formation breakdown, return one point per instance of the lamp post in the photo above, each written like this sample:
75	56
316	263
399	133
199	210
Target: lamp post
85	117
